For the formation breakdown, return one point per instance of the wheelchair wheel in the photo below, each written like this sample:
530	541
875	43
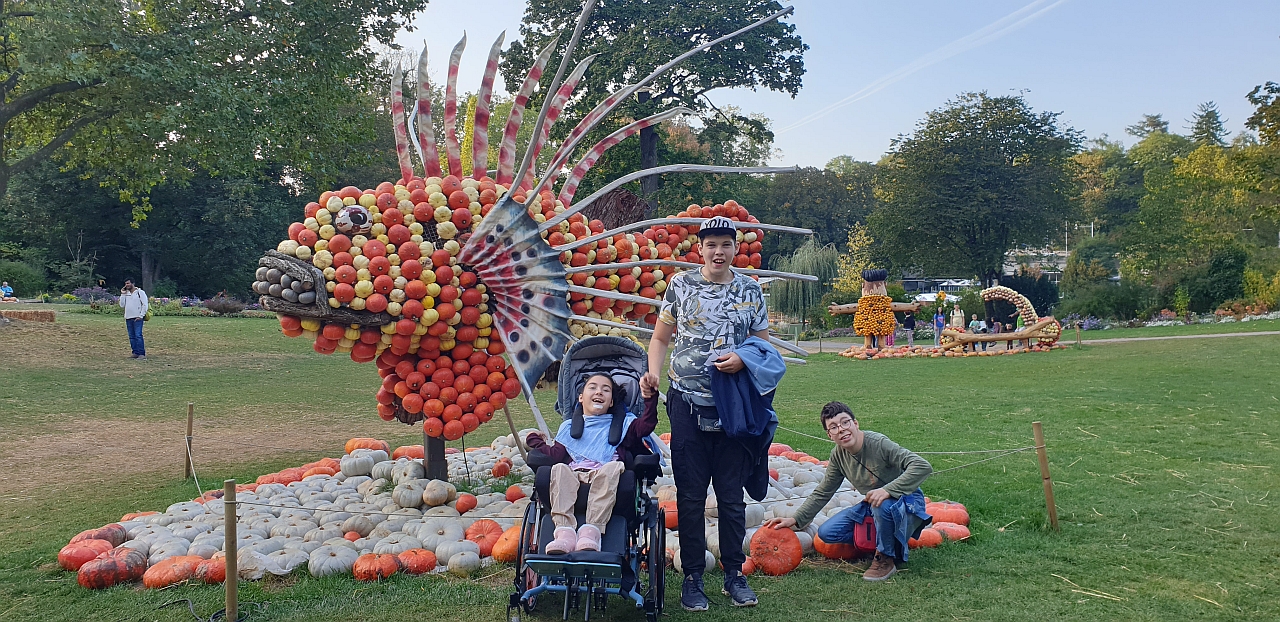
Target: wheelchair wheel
526	578
657	565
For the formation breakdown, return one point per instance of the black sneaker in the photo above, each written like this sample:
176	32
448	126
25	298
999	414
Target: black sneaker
692	598
738	591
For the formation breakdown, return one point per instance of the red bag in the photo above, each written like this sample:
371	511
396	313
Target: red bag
864	535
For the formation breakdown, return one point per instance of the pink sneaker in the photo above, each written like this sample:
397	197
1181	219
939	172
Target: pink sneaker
565	541
588	538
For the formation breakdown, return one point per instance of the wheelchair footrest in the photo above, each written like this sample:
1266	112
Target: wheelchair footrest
596	564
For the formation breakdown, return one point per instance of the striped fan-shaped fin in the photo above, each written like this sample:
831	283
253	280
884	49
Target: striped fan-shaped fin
526	286
561	97
589	160
507	153
480	134
426	133
452	149
397	117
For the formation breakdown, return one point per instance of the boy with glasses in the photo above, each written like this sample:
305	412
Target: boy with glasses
889	477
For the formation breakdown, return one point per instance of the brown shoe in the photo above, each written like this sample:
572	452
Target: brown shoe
882	567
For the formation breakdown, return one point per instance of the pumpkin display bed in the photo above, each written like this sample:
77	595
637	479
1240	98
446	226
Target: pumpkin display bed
360	522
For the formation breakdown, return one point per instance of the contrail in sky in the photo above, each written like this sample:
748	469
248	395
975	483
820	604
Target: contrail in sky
982	36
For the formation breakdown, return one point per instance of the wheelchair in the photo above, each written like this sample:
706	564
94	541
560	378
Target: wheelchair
631	562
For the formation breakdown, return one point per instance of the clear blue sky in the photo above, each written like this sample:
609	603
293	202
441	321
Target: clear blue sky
1102	63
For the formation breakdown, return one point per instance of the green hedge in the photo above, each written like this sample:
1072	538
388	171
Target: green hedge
27	280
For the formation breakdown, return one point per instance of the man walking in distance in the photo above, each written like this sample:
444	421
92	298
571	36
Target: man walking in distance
711	311
135	304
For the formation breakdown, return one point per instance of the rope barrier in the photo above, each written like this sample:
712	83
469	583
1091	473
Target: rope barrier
199	489
354	512
924	453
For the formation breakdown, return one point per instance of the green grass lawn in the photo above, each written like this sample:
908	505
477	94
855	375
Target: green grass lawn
1069	334
1163	454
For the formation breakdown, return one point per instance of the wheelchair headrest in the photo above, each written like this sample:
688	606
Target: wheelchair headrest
621	359
618	411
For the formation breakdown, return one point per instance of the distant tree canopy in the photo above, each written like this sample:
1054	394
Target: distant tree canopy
979	177
634	37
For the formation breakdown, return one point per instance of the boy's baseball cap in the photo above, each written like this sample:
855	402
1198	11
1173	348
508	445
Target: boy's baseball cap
718	225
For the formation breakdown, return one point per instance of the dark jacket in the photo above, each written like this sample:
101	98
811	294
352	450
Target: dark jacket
632	444
747	416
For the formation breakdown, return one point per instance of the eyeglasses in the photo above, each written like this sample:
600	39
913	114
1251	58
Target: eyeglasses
846	424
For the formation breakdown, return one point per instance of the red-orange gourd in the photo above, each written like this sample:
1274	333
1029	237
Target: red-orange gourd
375	566
485	533
112	533
466	502
952	531
116	566
367	443
947	512
77	554
504	550
417	561
211	571
929	538
170	571
501	469
834	550
669	511
515	493
776	551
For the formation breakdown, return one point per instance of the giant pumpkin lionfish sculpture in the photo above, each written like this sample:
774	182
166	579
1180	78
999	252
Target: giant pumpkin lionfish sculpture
436	278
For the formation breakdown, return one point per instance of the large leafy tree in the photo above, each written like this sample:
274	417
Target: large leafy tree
136	92
978	177
634	37
827	202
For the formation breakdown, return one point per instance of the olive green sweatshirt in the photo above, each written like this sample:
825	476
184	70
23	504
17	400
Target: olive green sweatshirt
882	463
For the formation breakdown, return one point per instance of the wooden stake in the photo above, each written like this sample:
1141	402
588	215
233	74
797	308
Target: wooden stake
187	467
229	547
1038	431
1077	333
515	435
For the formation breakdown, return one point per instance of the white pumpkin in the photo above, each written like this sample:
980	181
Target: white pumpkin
408	494
755	514
286	561
464	564
406	471
292	528
377	454
437	493
320	534
397	543
446	550
329	560
382	470
356	465
437	531
360	524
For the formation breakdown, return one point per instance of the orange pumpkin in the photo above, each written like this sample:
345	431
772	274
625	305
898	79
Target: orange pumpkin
776	449
501	469
748	567
367	443
834	550
136	515
170	571
947	512
351	536
466	502
515	493
318	471
929	538
120	565
211	571
672	516
375	566
485	533
407	451
952	531
504	550
776	551
77	554
112	533
417	561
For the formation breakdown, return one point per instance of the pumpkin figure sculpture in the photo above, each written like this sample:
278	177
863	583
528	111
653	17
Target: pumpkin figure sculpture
873	313
463	286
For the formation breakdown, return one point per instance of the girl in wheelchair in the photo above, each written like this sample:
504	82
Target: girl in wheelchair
586	456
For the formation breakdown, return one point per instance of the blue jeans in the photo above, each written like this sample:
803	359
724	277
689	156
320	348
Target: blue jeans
135	336
896	521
